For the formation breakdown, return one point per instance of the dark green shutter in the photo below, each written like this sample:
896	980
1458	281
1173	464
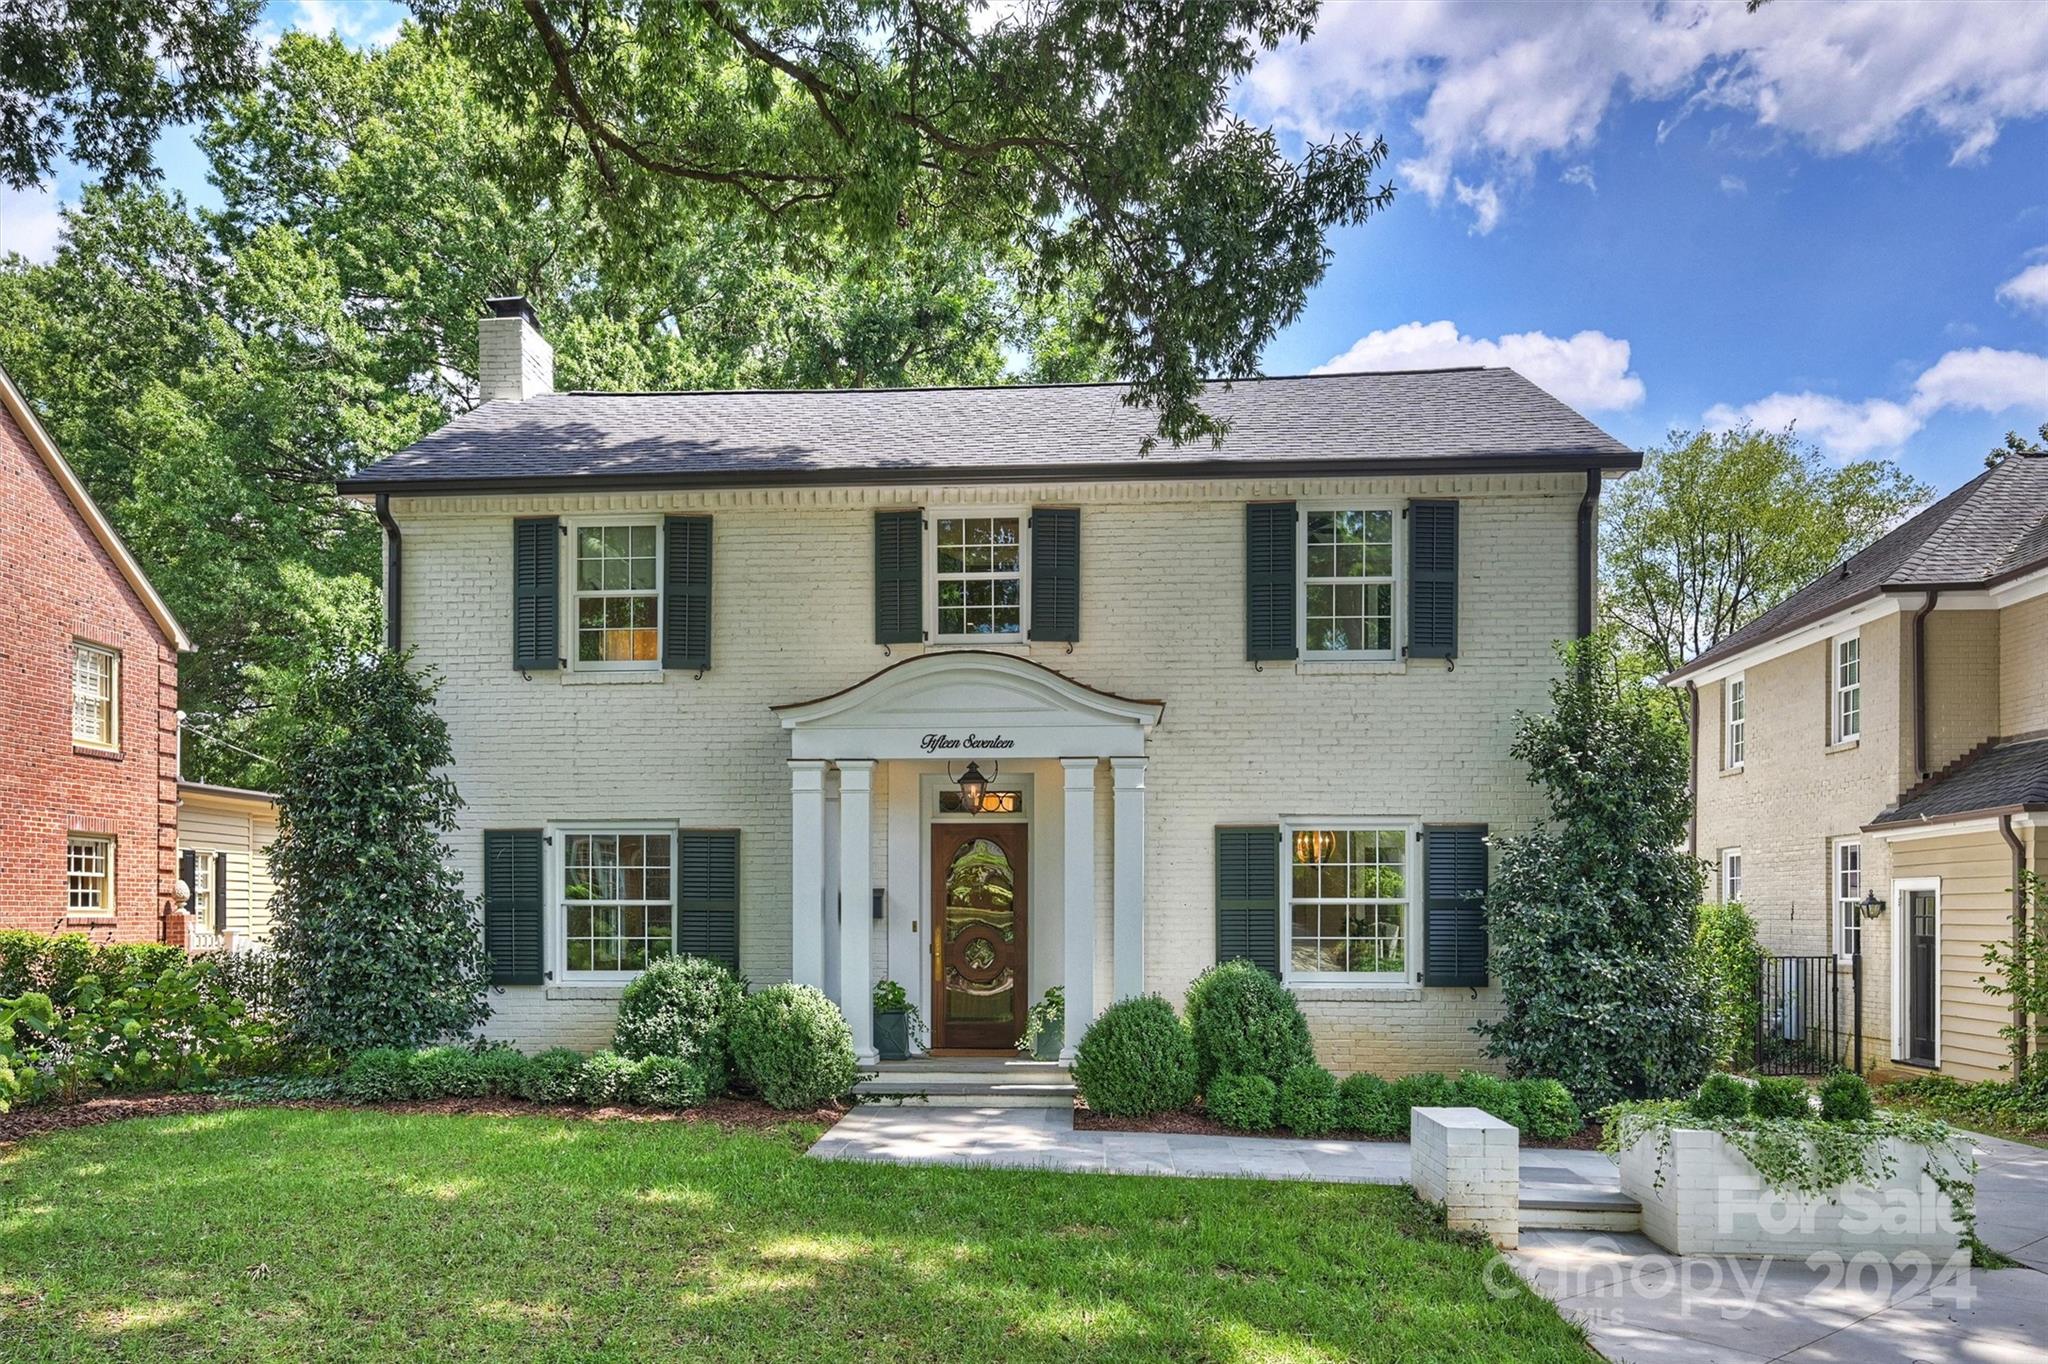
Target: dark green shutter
512	905
1056	574
899	577
1454	909
686	593
1248	896
188	872
708	896
1432	580
220	892
1269	586
536	590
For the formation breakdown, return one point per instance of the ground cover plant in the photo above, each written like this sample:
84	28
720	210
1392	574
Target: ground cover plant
2000	1108
266	1234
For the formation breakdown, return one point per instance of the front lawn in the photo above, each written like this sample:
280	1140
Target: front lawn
267	1233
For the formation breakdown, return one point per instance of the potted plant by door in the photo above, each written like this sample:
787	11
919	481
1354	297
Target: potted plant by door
1045	1027
897	1021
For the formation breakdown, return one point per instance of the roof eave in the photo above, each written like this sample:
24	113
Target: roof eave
1957	817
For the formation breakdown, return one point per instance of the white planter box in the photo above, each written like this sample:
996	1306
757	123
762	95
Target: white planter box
1713	1202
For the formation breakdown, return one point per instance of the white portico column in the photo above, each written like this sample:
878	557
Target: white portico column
856	826
807	872
1078	939
1127	869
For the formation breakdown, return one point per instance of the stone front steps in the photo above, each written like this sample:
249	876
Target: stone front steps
1556	1209
969	1082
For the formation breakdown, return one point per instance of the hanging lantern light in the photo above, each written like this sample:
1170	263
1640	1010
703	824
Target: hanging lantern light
973	788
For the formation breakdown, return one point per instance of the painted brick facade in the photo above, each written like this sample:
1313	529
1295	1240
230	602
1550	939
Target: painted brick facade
1162	617
57	585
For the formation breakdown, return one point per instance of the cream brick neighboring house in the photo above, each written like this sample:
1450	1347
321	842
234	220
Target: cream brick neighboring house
1884	732
714	667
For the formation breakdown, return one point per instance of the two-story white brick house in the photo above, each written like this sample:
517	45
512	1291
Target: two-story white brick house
717	666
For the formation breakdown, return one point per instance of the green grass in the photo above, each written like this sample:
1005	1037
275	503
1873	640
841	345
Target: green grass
264	1233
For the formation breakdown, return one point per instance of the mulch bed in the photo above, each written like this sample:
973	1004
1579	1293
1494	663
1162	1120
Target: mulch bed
730	1114
1198	1124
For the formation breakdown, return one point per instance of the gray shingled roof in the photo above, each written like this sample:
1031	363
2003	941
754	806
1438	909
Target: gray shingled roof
2008	773
1472	418
1991	528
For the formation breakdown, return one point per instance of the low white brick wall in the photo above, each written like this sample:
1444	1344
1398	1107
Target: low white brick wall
1469	1161
1711	1201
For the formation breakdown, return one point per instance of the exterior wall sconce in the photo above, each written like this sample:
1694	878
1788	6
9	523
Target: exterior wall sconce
1871	906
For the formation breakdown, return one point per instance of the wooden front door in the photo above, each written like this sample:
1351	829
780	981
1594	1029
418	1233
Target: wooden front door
978	918
1920	969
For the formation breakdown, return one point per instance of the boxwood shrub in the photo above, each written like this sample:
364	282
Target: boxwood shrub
551	1077
1720	1095
604	1079
1489	1093
1365	1104
1780	1096
378	1075
792	1045
1245	1023
1549	1113
667	1082
1244	1103
1425	1089
1845	1097
1136	1059
681	1007
1308	1101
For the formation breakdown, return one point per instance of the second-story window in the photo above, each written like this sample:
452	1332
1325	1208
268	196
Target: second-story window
1348	596
1736	691
978	572
1731	876
617	595
94	673
1848	708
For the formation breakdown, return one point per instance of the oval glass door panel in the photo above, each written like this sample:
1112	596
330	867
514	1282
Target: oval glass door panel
978	935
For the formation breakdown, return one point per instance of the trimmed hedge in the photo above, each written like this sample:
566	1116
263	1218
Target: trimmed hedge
1720	1095
1136	1059
604	1079
1549	1111
667	1082
1780	1096
1426	1089
792	1045
1845	1097
1308	1101
1242	1102
1365	1104
681	1007
551	1077
1245	1022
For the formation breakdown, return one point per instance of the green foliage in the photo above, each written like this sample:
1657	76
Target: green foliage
1717	528
378	1075
380	944
891	998
490	1071
1247	1023
166	1031
1365	1104
1726	959
668	1082
56	966
2019	974
2015	1107
1424	1089
552	1076
792	1045
1591	917
1046	1019
24	1021
1136	1059
1244	1103
1780	1096
605	1078
1549	1113
1845	1097
1489	1093
1307	1101
1721	1095
681	1007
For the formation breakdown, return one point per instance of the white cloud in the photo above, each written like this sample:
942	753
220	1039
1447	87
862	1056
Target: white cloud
1484	202
1589	370
1581	174
2028	289
1734	184
30	222
358	23
1981	379
1501	83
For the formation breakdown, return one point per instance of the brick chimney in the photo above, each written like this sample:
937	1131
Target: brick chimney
514	360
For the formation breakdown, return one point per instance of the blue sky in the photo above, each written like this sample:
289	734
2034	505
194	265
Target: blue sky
1670	214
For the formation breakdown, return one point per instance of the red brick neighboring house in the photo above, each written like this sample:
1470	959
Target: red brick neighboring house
88	708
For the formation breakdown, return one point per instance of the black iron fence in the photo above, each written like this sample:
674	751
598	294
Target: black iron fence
1807	1015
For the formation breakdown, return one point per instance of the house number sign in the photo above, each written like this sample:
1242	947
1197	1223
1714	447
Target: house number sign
978	743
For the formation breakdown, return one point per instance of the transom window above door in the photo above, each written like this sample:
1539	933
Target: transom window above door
1348	581
978	570
617	589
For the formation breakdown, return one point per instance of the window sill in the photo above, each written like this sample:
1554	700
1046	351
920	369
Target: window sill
1844	746
624	677
1734	771
593	990
1309	667
104	754
984	642
1327	992
90	918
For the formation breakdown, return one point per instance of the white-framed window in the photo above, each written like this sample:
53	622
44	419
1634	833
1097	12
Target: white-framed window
1848	675
1847	874
977	559
1350	602
203	889
1349	914
95	695
89	876
1731	875
1735	704
618	909
615	594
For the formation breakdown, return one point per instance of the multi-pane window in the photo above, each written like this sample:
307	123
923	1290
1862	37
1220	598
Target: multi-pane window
1348	582
1848	689
1731	875
618	596
203	889
616	900
980	576
1848	876
1737	692
89	876
1347	902
93	674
